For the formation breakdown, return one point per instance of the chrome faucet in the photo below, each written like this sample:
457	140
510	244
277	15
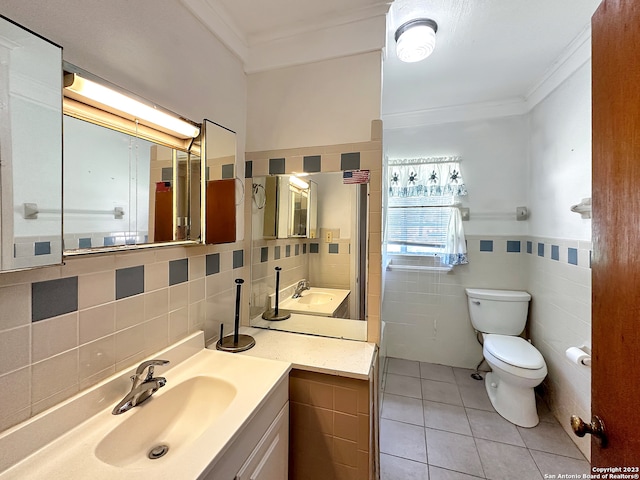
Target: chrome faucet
142	387
301	287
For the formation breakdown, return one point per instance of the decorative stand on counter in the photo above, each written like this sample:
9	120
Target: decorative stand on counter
276	313
236	342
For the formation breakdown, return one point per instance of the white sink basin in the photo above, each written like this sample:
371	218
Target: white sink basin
315	298
172	418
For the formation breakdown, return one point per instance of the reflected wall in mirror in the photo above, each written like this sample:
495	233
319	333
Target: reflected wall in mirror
220	186
30	149
126	183
331	259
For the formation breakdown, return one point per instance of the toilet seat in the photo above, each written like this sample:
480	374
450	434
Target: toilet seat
515	351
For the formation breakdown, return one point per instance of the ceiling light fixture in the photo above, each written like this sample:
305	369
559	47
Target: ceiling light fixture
416	39
110	100
298	182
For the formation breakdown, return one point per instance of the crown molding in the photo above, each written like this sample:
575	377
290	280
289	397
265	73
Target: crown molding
217	21
577	53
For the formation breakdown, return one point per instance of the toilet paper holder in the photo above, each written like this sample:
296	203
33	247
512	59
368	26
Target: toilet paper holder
579	355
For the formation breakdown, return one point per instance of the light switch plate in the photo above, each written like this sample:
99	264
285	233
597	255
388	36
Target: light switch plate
328	237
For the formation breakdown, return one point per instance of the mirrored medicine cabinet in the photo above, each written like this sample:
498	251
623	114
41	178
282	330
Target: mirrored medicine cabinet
30	148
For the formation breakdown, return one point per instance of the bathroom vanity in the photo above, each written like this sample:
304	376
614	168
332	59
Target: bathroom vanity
219	416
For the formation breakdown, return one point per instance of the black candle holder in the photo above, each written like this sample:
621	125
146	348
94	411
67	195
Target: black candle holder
237	342
276	314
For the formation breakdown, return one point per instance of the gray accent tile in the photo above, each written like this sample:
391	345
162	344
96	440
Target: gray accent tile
396	468
304	248
491	426
109	241
248	169
129	281
238	258
264	254
441	373
453	451
486	245
53	298
400	366
311	163
276	253
402	409
167	174
540	249
572	254
178	271
402	385
84	243
402	440
212	262
555	252
502	461
350	161
42	248
314	248
228	170
446	417
287	251
550	464
441	392
297	249
276	166
513	246
206	173
130	241
529	247
550	438
333	248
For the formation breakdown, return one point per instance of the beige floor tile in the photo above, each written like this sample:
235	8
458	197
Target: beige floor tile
491	426
474	397
441	392
403	367
454	452
551	438
550	464
403	440
463	377
442	416
403	385
402	409
501	461
441	373
395	468
436	473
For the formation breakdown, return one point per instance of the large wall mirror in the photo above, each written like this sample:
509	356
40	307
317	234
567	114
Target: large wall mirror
30	148
127	182
313	228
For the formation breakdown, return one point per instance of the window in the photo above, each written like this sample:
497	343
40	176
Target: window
420	198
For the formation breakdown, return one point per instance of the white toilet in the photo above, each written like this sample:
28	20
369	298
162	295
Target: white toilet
517	366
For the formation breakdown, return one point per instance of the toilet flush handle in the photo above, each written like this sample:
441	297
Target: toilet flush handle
476	302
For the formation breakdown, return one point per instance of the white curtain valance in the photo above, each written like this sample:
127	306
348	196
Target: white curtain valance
435	176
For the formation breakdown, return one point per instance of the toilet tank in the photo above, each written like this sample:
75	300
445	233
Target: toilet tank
498	311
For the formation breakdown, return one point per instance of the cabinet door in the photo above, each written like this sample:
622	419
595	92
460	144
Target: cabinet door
270	459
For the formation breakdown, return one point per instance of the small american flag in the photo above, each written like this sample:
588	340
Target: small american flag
355	176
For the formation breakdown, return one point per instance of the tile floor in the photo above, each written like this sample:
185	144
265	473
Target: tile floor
438	424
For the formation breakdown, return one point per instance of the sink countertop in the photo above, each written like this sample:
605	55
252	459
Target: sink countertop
72	455
334	356
317	325
335	297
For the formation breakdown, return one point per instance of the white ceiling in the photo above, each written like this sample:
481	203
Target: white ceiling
487	50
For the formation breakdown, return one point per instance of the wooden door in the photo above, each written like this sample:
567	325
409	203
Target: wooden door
616	231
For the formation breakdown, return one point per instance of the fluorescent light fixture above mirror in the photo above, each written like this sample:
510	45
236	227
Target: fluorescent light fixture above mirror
298	182
416	39
108	99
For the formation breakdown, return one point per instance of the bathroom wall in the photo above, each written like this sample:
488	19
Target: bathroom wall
426	313
560	280
64	328
324	103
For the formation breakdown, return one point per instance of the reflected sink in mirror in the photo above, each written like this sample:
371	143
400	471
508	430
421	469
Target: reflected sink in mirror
174	418
315	298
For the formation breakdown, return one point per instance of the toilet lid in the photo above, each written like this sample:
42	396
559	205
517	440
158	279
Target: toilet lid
515	351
